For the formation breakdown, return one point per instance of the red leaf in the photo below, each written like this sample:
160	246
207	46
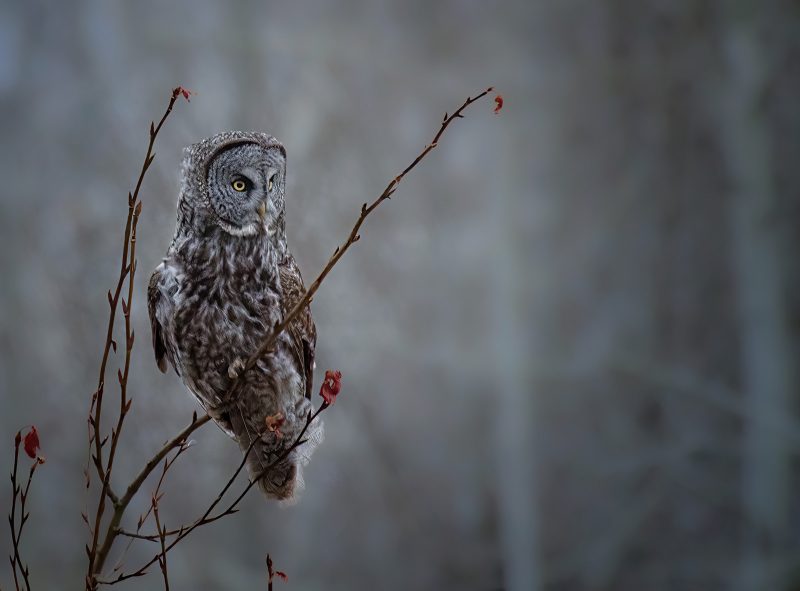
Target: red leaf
184	91
275	422
31	442
282	575
331	386
498	100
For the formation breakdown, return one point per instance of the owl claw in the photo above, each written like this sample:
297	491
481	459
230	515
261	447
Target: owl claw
235	368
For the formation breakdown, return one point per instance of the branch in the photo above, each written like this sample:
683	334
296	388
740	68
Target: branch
16	530
180	533
119	509
15	489
271	573
168	462
352	238
98	550
162	560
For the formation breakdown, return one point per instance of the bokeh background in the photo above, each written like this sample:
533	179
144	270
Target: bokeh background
569	343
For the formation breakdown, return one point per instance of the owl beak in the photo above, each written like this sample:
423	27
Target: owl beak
262	210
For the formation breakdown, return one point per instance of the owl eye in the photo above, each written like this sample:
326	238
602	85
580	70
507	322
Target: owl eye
239	185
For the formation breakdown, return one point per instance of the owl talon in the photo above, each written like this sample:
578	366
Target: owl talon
235	368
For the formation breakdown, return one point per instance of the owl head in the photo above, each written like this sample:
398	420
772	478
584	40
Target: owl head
234	181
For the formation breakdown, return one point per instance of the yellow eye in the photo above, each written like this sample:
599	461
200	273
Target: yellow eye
238	185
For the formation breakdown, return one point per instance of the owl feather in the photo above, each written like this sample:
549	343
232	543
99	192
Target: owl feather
226	281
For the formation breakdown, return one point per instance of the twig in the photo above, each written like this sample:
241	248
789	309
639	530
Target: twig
99	551
162	560
352	238
16	531
99	548
168	462
271	572
232	508
15	489
119	508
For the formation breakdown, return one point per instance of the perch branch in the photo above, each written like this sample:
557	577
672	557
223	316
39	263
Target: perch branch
207	517
352	238
99	554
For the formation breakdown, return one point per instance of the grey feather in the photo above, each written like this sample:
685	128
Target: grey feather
226	280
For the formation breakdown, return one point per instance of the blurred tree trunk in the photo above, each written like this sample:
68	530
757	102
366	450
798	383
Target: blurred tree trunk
766	359
514	420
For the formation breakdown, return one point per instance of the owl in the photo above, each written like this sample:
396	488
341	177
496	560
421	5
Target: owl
227	279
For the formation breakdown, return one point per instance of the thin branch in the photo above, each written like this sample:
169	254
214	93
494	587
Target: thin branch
168	462
15	560
119	509
99	549
353	237
162	560
270	573
232	508
16	530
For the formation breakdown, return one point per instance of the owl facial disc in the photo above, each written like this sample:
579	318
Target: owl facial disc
243	181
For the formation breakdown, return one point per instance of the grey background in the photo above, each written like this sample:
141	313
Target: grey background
569	343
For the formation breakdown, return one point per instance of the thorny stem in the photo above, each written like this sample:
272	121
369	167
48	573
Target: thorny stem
352	238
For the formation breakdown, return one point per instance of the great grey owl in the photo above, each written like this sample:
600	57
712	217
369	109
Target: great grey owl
227	279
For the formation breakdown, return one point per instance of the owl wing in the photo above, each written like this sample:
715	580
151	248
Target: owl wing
161	307
302	331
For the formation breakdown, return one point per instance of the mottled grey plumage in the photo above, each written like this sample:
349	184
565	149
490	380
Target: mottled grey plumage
227	279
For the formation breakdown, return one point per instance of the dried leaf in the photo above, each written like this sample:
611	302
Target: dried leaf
32	442
180	90
331	386
498	100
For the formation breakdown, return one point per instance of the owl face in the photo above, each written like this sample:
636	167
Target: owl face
245	188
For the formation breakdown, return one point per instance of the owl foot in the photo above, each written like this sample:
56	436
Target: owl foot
235	368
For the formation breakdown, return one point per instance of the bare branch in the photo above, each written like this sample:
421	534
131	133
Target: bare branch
162	559
119	509
232	508
168	462
352	238
16	528
99	548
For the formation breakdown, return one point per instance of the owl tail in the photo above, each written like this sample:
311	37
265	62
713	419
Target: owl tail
283	480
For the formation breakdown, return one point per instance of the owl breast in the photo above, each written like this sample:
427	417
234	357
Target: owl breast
229	299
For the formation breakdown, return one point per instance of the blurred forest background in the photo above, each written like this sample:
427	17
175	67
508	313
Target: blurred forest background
569	343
